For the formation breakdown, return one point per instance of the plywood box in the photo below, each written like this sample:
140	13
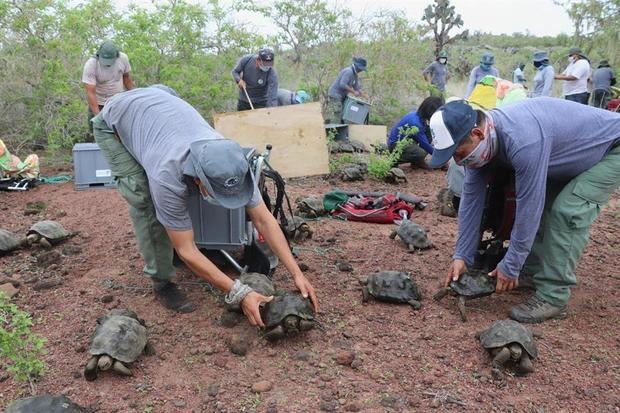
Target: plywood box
368	134
296	133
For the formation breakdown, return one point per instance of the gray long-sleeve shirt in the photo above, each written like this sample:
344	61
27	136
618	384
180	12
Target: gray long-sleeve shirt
543	82
262	86
347	77
541	139
475	76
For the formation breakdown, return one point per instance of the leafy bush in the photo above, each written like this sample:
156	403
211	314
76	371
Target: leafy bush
20	349
379	165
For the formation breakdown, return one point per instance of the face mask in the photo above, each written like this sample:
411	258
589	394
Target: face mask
485	67
443	60
264	68
486	149
537	64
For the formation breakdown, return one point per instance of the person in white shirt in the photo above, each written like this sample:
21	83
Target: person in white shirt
575	77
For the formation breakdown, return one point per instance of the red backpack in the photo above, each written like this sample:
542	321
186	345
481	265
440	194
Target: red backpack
379	210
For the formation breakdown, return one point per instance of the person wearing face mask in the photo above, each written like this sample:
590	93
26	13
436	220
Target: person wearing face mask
517	76
565	171
257	80
105	74
347	82
575	77
543	80
485	68
437	72
160	150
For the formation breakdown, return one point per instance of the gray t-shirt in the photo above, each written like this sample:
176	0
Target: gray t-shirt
347	77
286	97
438	73
543	82
541	139
262	87
108	80
602	77
475	76
157	129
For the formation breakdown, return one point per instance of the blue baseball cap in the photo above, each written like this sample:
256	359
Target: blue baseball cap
449	126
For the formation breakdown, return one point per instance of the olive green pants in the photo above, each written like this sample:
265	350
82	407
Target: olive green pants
333	110
564	229
133	185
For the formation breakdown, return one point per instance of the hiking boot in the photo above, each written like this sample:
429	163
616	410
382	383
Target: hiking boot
526	281
169	295
536	310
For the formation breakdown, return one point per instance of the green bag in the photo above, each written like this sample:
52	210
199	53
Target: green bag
334	199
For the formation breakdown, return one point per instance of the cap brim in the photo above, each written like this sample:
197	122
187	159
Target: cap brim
442	156
107	61
233	201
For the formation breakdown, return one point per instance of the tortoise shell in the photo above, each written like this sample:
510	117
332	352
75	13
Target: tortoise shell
119	334
503	332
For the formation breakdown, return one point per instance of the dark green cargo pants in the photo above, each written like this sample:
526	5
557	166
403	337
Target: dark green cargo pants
133	185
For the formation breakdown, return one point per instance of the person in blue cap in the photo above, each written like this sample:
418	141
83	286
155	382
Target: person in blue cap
161	150
286	97
565	172
485	68
543	79
347	82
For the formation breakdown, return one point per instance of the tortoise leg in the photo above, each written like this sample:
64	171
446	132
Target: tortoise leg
149	350
105	362
121	368
90	370
411	247
275	333
502	356
393	234
415	304
441	293
32	238
365	295
515	351
525	364
45	243
306	325
462	309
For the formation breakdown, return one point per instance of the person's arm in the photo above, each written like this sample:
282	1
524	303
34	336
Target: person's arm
471	84
427	73
89	78
422	139
548	77
238	70
91	97
566	74
346	80
183	243
269	228
128	81
272	88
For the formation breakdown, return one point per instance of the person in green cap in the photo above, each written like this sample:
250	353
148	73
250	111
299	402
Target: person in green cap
603	79
105	74
437	72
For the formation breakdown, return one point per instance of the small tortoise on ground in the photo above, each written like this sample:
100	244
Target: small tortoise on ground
257	282
47	233
287	314
509	341
119	339
395	175
310	207
351	173
472	284
446	207
8	242
392	286
412	235
45	404
297	229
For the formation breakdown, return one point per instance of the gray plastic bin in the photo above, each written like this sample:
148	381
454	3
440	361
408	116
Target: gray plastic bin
90	168
355	111
215	227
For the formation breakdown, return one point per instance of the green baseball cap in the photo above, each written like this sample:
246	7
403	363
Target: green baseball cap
108	53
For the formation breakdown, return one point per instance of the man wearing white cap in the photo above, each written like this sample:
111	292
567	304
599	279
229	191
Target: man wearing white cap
160	148
566	160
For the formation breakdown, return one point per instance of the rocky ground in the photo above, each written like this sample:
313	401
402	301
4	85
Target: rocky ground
371	357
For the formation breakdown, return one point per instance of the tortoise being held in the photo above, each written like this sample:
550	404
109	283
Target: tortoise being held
287	314
471	284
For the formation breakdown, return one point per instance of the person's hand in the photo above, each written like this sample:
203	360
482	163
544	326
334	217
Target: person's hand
307	290
250	306
357	93
504	283
241	84
457	268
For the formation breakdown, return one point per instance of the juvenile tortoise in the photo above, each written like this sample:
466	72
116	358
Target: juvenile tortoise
118	340
8	242
471	284
258	282
509	342
287	314
412	235
446	207
45	404
297	229
393	287
395	175
310	207
47	233
351	173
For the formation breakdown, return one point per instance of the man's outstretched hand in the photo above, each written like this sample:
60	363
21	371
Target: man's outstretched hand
307	290
251	307
504	283
457	268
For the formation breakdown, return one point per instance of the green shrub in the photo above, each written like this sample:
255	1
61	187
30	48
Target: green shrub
20	349
380	165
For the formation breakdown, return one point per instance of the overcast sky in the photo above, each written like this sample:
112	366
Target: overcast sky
538	17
